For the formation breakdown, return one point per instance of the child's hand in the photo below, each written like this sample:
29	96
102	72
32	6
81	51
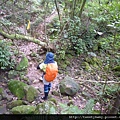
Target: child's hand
43	66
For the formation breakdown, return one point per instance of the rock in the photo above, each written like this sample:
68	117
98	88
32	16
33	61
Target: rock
23	109
92	54
31	93
15	103
12	74
4	94
47	107
17	88
3	109
68	86
1	37
23	65
9	98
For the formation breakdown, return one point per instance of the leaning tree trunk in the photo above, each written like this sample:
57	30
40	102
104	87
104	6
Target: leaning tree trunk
22	37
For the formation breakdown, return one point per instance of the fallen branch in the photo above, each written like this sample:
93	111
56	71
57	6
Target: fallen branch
93	81
22	37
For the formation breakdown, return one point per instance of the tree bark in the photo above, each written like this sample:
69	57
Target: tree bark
81	9
22	37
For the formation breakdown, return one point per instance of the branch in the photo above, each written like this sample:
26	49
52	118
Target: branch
22	37
93	81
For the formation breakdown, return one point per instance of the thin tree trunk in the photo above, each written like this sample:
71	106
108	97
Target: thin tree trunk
58	11
74	7
81	9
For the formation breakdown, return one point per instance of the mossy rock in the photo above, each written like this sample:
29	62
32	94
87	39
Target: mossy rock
31	93
47	107
15	103
23	109
68	86
17	88
23	65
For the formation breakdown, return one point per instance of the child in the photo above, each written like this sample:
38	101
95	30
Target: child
50	70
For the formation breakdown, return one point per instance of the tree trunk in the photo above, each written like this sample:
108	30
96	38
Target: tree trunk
81	9
22	37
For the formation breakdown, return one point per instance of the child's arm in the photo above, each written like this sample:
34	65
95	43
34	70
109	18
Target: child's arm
42	66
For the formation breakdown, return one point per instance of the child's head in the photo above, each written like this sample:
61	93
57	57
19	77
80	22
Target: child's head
49	58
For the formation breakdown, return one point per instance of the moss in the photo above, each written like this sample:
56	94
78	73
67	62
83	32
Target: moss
23	109
94	61
1	91
53	100
17	88
23	64
31	93
86	66
47	107
14	103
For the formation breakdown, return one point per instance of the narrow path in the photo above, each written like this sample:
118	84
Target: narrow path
27	48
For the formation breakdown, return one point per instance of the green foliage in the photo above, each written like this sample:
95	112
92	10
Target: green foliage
69	109
89	107
75	110
72	33
112	89
5	55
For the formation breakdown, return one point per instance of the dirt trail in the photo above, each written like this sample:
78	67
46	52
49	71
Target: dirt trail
34	75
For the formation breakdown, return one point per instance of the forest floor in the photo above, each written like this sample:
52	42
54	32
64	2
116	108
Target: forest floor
34	75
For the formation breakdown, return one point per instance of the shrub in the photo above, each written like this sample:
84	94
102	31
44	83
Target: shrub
5	55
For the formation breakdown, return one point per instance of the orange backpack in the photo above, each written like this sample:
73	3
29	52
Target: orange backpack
51	72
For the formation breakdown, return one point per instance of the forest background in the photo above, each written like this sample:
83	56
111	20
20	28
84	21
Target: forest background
83	34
